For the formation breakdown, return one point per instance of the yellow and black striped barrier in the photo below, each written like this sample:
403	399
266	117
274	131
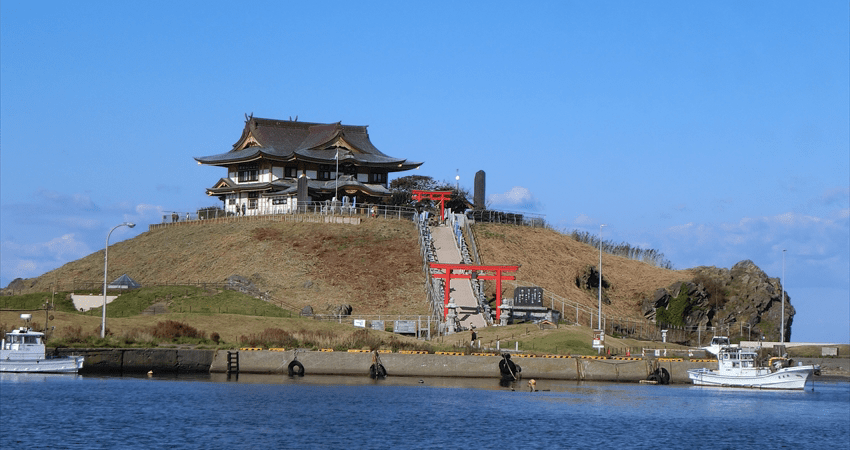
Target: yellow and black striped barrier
413	352
450	353
671	359
326	350
358	350
250	349
277	349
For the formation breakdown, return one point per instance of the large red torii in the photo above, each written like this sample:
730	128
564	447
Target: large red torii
448	276
442	196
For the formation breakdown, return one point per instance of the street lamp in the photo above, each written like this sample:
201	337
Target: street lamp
599	333
105	266
599	314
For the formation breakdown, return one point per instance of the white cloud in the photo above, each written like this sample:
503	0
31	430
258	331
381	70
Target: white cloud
583	220
31	260
151	211
818	246
516	197
66	202
66	248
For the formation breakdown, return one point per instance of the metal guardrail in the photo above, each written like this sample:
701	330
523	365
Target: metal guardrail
627	326
507	217
469	255
433	288
311	208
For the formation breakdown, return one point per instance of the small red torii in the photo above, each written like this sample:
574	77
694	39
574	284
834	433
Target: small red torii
448	276
442	196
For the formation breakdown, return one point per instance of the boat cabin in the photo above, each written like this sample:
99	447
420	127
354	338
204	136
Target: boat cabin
733	358
24	344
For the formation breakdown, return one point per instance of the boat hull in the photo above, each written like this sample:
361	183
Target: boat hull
786	378
70	364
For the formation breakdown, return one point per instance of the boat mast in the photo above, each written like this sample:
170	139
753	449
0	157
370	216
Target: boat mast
782	283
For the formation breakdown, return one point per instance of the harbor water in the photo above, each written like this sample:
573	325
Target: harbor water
265	411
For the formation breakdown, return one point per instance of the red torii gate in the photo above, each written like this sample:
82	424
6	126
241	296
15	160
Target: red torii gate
442	196
448	276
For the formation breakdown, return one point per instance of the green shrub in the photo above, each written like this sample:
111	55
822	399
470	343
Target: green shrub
676	310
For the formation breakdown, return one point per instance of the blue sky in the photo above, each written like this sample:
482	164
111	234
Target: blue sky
712	131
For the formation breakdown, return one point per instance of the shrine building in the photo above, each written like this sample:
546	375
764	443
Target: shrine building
331	160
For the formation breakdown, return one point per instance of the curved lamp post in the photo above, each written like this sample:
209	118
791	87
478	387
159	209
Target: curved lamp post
105	267
599	313
599	333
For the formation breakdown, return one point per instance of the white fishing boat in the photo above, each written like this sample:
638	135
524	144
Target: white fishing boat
23	350
738	367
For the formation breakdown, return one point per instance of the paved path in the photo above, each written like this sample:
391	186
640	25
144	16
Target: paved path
462	294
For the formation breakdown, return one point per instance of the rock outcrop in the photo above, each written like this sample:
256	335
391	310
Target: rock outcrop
588	279
724	301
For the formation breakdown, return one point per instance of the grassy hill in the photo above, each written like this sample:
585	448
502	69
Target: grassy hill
375	267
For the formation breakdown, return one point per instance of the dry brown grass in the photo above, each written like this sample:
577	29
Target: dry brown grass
230	327
374	266
552	260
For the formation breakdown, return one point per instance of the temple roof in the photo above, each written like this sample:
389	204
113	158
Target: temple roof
287	140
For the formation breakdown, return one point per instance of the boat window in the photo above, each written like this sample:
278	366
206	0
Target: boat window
30	339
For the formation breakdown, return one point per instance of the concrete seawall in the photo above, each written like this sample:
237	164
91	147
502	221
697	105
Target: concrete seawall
449	365
140	360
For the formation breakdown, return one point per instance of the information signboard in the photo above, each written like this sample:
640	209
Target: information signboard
528	296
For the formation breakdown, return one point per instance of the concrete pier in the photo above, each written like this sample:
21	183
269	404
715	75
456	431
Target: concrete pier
140	360
457	365
445	364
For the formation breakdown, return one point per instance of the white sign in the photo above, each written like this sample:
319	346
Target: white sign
360	323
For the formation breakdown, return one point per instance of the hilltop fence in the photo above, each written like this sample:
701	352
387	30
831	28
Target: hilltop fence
317	212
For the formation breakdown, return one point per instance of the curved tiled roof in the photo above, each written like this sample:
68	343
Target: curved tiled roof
287	140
